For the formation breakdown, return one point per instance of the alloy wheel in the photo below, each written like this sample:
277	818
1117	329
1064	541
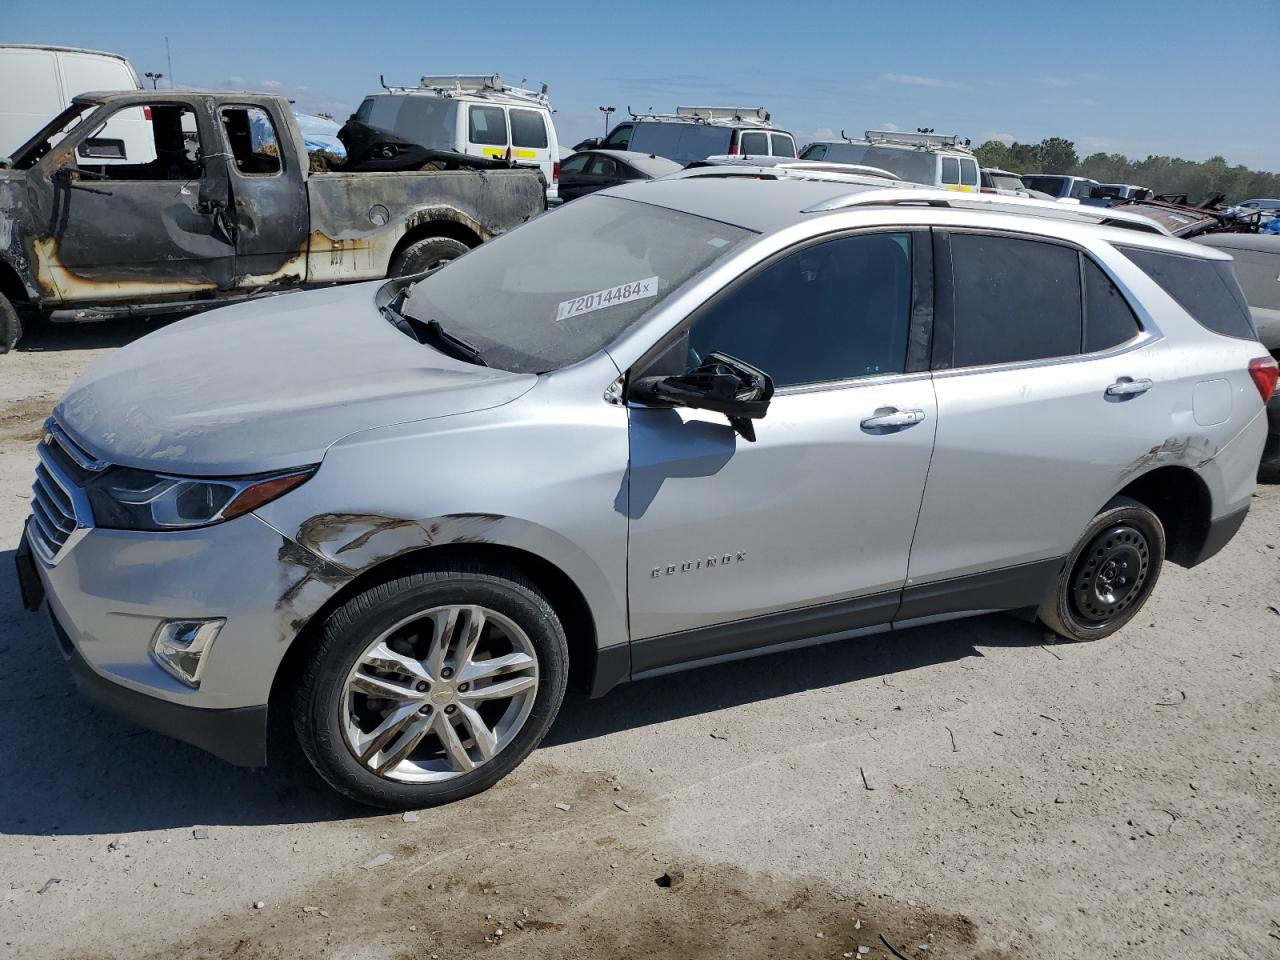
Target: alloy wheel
439	694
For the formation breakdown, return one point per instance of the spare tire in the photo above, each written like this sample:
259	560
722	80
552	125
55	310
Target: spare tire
10	325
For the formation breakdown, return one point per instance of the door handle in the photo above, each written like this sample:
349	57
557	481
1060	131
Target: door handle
891	418
1128	387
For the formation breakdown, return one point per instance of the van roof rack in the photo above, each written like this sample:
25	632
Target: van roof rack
925	140
473	84
896	196
755	116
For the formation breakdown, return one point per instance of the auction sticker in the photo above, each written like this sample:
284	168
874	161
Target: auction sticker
636	290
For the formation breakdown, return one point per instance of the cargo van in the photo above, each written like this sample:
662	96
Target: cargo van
477	115
37	84
934	160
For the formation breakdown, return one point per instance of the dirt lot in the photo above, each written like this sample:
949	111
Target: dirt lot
960	791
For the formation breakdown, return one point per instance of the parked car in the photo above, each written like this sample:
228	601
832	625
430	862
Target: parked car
478	115
695	133
1058	186
593	170
1256	263
934	160
1002	182
37	83
224	209
403	516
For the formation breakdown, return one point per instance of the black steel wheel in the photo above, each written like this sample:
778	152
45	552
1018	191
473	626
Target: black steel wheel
1109	574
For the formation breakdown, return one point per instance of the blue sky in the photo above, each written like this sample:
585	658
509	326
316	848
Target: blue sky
1128	77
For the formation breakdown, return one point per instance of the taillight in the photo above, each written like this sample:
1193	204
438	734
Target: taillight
555	172
1264	371
146	113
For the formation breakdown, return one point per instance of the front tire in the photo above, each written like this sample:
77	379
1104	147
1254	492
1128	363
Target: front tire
431	687
1109	574
427	254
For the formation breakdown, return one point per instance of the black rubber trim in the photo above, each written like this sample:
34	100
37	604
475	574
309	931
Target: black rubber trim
612	667
237	735
690	646
1011	588
1220	533
920	335
1271	449
944	303
30	586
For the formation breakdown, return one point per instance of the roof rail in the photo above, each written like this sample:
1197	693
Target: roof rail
917	139
745	114
478	84
1103	216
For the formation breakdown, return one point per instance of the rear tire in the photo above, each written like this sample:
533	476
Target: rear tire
423	255
385	639
1109	574
10	325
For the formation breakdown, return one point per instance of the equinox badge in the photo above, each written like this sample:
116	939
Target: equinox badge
689	566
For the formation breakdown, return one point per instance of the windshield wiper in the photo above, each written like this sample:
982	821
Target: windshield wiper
431	332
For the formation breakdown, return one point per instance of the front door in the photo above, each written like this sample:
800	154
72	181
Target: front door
268	198
137	228
738	545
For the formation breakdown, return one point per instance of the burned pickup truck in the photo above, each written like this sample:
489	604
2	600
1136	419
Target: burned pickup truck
222	207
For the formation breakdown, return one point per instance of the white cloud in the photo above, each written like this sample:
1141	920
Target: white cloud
890	126
1005	138
823	133
915	80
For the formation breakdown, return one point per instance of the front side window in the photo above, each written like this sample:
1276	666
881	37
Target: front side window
815	151
1014	300
602	166
950	170
561	287
620	138
175	146
837	310
251	135
528	129
487	125
575	164
753	144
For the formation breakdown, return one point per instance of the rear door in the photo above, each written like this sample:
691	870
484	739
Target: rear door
530	143
268	196
1030	334
805	532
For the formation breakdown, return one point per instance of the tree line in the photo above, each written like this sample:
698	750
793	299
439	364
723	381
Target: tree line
1199	181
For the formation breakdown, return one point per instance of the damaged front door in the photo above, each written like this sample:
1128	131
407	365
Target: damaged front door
269	207
136	228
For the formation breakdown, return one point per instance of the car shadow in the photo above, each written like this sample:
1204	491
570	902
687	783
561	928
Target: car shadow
720	686
70	769
46	336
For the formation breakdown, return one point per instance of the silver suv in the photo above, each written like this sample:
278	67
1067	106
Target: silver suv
674	423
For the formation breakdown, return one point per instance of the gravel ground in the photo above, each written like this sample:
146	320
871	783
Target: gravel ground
967	790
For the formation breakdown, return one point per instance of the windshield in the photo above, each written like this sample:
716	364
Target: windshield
425	120
681	142
916	166
562	286
53	133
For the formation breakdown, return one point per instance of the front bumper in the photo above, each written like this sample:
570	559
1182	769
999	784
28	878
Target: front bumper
237	735
111	590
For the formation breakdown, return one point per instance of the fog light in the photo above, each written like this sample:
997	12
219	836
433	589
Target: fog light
180	646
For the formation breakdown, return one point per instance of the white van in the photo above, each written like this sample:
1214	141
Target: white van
37	84
931	159
476	115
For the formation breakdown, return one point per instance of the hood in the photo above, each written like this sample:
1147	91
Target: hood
269	385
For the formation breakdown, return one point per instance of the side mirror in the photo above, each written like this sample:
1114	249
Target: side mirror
722	383
102	148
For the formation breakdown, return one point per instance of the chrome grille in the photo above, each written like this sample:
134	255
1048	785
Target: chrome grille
59	507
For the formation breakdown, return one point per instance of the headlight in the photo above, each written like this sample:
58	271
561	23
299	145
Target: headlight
127	499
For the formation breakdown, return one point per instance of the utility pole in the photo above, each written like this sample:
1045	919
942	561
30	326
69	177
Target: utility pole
169	58
606	111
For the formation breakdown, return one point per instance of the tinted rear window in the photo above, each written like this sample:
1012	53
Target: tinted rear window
1014	300
1206	289
1050	185
783	145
